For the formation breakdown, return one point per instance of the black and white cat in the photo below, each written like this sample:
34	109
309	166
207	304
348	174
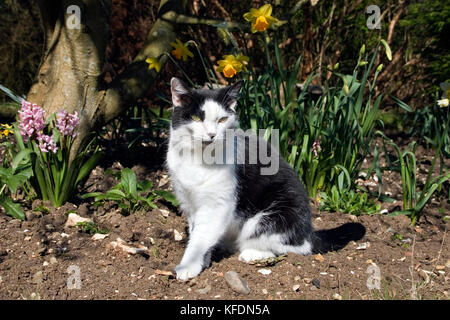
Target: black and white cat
231	205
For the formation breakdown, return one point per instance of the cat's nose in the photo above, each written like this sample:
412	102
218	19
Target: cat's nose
211	135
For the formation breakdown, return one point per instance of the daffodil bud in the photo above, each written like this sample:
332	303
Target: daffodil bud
362	50
380	67
345	87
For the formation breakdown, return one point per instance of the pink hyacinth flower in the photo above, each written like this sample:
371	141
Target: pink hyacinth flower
31	120
46	143
316	148
66	122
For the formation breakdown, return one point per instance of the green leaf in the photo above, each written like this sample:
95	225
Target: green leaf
19	157
168	196
12	95
11	208
129	182
145	185
403	212
88	166
151	204
91	195
14	181
401	104
115	194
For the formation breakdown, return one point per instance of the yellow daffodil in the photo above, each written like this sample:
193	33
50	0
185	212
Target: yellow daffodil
261	18
181	50
153	63
6	130
231	65
443	103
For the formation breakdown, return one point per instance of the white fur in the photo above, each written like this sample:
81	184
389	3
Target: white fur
207	196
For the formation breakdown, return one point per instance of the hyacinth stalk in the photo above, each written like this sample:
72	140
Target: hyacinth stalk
47	145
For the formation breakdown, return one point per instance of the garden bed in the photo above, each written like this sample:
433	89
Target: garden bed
35	255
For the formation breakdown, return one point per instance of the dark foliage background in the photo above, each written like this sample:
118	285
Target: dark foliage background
322	32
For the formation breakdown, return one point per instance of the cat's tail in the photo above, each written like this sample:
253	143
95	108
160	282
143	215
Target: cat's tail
337	238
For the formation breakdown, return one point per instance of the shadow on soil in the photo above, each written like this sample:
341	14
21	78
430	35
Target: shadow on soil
337	238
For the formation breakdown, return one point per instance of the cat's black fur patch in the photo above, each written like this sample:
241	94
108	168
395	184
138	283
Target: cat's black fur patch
282	195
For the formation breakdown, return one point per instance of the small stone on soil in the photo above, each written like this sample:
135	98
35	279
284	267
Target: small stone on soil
163	181
177	235
265	271
236	282
99	236
319	257
164	213
296	287
73	219
164	273
363	246
316	283
205	290
337	296
121	244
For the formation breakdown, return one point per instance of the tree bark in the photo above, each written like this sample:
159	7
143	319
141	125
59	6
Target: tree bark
70	74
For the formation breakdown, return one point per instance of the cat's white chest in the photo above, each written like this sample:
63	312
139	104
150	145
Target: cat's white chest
198	185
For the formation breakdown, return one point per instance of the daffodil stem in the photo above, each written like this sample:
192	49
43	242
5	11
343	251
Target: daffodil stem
437	155
179	67
204	64
266	44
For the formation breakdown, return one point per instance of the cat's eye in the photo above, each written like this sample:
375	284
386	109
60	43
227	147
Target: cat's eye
223	119
195	118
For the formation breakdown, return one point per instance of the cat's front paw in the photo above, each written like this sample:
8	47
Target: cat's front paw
252	255
186	272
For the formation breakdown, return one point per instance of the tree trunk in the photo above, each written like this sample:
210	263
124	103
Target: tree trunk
70	74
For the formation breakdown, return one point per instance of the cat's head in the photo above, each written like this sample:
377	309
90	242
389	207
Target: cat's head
204	114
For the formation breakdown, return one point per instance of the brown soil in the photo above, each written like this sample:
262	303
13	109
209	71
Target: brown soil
35	255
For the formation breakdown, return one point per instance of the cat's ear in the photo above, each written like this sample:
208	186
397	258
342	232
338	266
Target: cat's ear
178	88
232	94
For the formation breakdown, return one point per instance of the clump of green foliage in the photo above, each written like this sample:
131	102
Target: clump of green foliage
348	201
15	171
323	138
414	197
132	195
90	228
